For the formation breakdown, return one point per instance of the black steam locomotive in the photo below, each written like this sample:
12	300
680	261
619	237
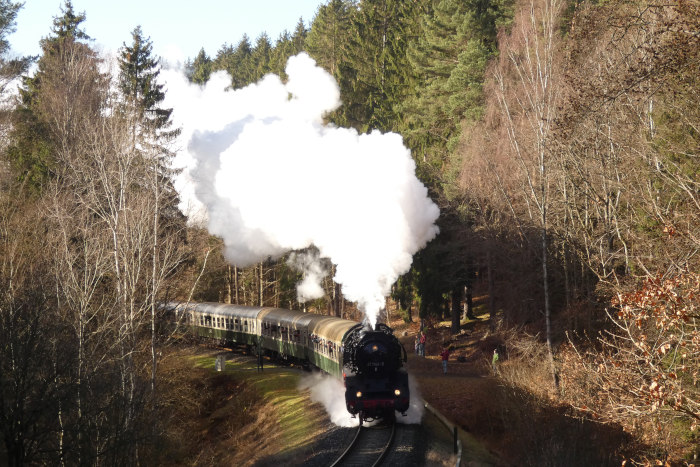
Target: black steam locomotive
377	384
369	361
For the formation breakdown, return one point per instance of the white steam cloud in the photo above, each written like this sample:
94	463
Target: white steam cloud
309	263
272	178
330	392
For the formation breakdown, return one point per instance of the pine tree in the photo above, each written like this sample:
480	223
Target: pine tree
199	70
239	64
32	152
67	25
143	96
364	45
449	60
138	82
10	68
260	57
287	46
329	34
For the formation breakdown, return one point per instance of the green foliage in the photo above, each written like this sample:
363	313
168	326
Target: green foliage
199	70
67	26
237	62
287	46
31	151
10	67
260	57
30	155
327	39
138	82
449	57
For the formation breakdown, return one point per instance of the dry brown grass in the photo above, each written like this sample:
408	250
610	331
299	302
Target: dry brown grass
513	411
213	419
202	412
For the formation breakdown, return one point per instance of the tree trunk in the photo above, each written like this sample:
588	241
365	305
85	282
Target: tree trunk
337	298
492	293
235	283
262	286
468	303
456	307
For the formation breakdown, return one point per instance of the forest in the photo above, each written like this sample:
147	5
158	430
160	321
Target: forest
560	139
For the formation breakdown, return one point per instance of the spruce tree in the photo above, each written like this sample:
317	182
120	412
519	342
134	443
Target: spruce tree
240	65
10	68
200	69
138	83
284	48
150	122
260	57
32	151
329	35
299	36
449	60
287	46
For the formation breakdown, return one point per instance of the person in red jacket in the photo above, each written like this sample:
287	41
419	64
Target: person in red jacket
445	354
421	345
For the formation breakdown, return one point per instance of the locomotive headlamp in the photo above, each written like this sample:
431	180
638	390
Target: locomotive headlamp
397	392
359	394
375	348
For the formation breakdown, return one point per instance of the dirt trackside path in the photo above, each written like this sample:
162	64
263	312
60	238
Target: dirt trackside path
467	395
504	424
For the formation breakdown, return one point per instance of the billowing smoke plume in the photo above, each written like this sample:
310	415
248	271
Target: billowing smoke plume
310	264
325	389
273	178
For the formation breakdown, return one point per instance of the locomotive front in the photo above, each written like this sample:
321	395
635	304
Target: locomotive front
378	383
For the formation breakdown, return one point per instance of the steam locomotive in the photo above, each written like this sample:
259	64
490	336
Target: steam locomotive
370	361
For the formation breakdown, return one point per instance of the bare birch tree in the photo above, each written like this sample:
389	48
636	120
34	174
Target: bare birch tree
527	93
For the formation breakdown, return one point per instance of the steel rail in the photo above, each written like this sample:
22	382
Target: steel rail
354	446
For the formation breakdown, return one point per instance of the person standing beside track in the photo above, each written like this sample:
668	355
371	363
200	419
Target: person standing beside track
260	355
445	354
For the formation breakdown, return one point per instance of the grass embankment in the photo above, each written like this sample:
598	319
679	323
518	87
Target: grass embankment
238	416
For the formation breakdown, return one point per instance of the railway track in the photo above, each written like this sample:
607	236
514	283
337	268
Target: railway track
369	446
